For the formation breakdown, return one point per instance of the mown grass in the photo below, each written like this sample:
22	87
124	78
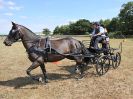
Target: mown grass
15	84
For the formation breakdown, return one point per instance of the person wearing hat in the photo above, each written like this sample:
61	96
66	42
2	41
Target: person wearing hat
105	45
97	35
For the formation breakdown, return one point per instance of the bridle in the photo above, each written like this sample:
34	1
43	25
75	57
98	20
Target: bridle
27	41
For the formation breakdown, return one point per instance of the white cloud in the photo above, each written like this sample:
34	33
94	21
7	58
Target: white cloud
10	3
8	14
15	8
12	6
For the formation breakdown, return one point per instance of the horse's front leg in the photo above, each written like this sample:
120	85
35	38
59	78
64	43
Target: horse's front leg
44	73
33	66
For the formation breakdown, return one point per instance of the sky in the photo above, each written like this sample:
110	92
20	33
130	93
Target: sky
39	14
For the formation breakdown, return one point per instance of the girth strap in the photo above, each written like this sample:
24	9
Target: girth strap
48	44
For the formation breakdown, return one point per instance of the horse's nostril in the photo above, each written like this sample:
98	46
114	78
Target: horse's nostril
4	42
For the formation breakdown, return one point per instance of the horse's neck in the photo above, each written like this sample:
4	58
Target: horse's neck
28	38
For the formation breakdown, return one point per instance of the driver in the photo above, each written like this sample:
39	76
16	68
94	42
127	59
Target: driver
97	35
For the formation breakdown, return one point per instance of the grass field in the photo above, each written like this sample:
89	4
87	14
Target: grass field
15	84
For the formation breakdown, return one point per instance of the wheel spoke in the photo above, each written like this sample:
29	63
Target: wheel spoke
117	60
102	70
102	65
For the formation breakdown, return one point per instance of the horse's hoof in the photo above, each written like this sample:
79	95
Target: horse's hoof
46	81
79	78
40	79
77	71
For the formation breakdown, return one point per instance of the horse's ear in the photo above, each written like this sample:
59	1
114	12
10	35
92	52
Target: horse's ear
13	24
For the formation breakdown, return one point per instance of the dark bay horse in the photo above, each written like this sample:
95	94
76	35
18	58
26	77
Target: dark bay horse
32	43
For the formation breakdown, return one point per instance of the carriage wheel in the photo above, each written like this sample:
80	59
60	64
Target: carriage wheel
102	65
116	60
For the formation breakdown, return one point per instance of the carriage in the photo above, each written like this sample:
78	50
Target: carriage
102	60
41	50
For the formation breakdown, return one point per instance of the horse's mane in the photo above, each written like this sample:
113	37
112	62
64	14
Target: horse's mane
26	28
33	34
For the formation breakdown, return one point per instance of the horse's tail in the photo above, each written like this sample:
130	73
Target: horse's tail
84	49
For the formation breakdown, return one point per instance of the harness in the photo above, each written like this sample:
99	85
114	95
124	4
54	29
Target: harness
43	47
48	45
47	48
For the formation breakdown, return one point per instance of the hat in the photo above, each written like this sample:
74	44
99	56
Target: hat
96	23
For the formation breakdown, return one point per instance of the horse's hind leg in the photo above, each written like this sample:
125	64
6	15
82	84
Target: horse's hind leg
33	66
79	65
44	72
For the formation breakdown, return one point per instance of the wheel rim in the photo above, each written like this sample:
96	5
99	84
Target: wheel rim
116	60
102	65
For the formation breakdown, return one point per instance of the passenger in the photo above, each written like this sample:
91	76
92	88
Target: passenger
106	32
98	35
105	45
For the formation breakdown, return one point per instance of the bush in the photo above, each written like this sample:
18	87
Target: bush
117	34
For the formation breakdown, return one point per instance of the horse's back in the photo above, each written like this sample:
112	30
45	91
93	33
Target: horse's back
68	40
66	45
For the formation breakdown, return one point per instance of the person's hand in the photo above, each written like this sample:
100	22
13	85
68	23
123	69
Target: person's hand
98	34
94	35
90	35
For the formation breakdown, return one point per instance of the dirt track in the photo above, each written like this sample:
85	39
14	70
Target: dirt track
15	84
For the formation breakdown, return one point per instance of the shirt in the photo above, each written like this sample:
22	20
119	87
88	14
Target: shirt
101	29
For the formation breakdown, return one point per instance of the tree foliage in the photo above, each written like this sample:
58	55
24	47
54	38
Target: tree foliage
126	18
123	23
64	29
79	27
114	25
46	31
106	23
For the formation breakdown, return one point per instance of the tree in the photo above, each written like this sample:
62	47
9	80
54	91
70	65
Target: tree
114	25
126	18
46	31
80	27
56	30
106	23
64	29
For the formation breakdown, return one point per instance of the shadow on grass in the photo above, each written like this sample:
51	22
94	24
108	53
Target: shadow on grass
24	81
87	72
20	82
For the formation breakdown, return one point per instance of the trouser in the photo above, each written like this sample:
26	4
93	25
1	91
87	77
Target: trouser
104	45
97	40
92	41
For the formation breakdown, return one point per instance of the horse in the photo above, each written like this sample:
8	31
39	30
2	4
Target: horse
39	53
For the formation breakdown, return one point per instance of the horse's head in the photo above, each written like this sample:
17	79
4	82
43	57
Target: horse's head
13	36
